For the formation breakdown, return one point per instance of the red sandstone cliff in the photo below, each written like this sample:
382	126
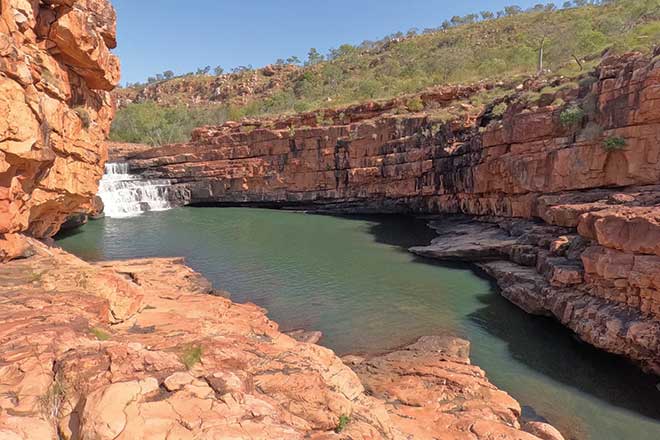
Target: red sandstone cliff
56	71
588	178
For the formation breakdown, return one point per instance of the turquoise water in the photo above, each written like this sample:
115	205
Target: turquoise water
353	279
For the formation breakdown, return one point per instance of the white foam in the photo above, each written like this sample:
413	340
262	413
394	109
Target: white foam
126	195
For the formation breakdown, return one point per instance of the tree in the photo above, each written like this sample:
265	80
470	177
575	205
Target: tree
567	5
456	20
512	10
159	77
550	7
313	57
539	38
580	3
280	61
168	74
204	70
487	15
293	60
343	51
151	79
412	32
218	70
539	7
471	18
446	25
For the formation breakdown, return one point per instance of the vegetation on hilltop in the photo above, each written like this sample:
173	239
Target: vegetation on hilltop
541	41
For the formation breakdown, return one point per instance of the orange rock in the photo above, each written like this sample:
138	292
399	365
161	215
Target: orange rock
54	111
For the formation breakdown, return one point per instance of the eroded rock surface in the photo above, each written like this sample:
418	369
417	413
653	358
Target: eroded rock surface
608	297
56	69
141	349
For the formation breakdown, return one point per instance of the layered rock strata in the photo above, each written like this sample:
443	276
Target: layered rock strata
582	160
56	70
140	349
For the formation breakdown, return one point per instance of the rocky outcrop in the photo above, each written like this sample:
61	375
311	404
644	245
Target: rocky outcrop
451	157
141	349
206	90
581	160
56	71
608	298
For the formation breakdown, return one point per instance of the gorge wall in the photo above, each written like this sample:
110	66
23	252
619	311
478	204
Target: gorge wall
564	183
56	71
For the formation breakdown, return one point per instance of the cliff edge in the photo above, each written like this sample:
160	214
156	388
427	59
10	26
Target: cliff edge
56	71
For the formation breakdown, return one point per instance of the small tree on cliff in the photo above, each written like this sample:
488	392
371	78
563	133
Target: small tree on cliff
313	57
218	70
168	74
293	60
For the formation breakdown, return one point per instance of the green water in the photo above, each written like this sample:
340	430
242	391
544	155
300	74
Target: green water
353	279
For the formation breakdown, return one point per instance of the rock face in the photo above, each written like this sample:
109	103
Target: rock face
56	70
581	162
141	350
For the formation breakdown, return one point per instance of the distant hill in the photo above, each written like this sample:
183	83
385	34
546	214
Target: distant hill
509	45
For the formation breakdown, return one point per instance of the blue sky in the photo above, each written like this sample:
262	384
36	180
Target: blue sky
157	35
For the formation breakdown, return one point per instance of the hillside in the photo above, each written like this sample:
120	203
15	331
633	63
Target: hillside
463	50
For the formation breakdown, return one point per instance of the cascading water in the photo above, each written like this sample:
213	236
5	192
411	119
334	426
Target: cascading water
127	195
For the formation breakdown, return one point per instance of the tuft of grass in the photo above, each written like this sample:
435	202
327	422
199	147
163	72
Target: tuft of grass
571	116
100	334
344	420
51	403
84	116
191	356
614	143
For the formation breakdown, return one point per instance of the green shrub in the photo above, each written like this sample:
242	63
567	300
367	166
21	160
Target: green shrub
343	422
152	124
191	356
415	104
572	116
500	109
614	143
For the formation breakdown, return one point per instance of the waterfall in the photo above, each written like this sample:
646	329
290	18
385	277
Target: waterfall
126	195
